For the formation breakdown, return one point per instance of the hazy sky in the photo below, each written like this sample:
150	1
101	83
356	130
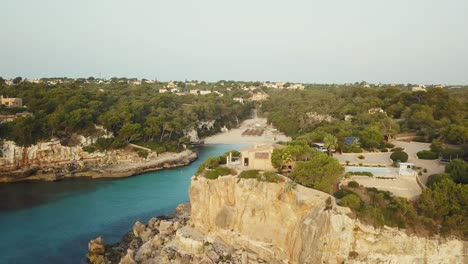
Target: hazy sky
324	41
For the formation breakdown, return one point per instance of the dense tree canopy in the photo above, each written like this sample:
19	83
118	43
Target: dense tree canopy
134	114
436	114
319	172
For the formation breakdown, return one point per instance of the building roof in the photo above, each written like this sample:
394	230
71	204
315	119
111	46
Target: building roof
260	148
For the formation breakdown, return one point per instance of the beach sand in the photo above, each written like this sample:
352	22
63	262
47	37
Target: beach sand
234	136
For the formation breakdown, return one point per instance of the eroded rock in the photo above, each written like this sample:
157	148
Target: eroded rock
96	246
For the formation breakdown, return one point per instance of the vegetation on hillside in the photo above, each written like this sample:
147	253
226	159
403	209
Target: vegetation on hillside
436	114
134	114
442	208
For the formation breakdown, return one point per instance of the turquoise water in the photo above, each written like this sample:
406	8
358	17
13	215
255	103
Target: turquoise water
44	222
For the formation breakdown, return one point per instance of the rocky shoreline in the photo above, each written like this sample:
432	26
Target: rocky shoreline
244	221
52	162
167	240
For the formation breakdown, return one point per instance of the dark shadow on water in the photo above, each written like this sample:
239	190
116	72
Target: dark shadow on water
28	194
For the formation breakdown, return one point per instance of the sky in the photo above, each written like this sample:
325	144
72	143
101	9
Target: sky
313	41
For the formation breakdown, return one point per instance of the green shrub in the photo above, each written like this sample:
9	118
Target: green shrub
270	176
427	155
222	158
436	146
214	174
210	163
420	139
352	148
450	153
360	173
342	193
458	170
211	174
389	145
361	157
160	149
249	174
396	149
399	156
384	150
103	144
353	184
141	152
89	149
352	201
435	178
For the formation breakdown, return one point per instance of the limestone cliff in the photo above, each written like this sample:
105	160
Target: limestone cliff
297	226
245	221
52	160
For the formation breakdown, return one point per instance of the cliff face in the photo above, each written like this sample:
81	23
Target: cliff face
297	226
51	160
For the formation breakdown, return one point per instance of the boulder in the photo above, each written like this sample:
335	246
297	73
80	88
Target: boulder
156	242
153	223
146	235
190	240
176	225
128	259
96	246
166	227
138	228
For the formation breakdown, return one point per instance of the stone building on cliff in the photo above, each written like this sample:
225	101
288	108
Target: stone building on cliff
257	157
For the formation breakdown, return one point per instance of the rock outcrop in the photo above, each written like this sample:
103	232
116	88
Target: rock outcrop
52	161
297	226
244	221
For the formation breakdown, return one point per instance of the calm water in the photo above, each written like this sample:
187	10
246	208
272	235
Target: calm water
52	222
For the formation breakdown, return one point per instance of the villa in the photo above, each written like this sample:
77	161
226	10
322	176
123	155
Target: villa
11	102
257	157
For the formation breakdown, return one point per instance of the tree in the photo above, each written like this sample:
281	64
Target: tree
320	172
352	201
458	170
17	80
400	156
130	132
457	134
330	141
436	178
371	137
445	204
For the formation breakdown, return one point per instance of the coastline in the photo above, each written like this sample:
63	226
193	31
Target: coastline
120	169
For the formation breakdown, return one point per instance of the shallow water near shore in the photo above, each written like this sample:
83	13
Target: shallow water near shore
52	222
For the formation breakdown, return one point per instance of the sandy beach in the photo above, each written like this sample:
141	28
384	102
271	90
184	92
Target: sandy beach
234	136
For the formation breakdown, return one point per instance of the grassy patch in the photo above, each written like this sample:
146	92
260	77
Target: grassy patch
214	174
266	176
